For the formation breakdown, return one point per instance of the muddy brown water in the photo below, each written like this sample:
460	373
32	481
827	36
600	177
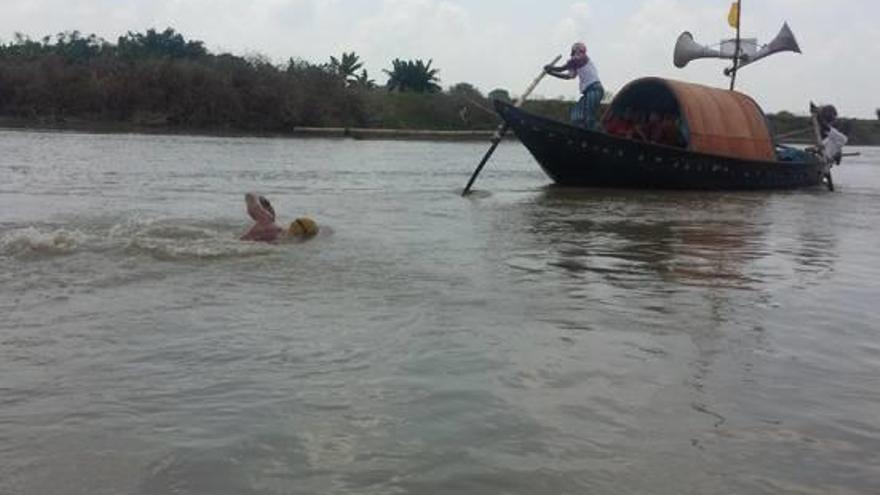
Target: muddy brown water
526	340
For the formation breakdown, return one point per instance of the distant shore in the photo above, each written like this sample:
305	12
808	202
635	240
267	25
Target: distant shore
158	82
861	132
357	133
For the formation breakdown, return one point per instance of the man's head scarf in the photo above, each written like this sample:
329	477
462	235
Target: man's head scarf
578	56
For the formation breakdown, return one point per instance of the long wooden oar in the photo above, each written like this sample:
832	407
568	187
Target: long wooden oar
502	129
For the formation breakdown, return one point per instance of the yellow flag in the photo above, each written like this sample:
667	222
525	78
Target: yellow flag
733	16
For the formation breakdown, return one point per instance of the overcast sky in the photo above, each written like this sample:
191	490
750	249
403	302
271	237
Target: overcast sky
495	43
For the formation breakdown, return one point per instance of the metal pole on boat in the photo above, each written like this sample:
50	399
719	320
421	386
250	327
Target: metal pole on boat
736	53
502	129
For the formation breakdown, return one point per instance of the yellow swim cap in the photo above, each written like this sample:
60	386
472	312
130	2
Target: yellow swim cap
303	226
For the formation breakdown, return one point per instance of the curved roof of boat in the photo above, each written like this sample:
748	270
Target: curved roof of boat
720	122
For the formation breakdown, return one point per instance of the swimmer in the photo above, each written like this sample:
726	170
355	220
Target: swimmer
266	230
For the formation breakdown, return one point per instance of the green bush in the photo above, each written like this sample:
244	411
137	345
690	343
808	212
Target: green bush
159	78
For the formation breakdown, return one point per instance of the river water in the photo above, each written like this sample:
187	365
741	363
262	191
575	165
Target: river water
524	340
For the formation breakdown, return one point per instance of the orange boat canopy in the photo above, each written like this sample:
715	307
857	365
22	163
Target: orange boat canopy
716	121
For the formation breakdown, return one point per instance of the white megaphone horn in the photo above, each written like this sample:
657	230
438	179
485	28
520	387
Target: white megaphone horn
686	49
783	42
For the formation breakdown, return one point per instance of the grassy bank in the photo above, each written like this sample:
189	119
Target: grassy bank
860	132
408	117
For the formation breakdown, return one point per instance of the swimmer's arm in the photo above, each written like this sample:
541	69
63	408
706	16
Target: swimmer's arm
252	234
262	233
259	214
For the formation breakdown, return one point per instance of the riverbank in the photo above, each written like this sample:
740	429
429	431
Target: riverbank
160	83
798	129
860	132
357	133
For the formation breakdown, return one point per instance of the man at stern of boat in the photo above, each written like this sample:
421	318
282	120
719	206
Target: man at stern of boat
586	112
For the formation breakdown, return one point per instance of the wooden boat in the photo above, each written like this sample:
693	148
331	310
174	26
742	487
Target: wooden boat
720	139
723	139
729	144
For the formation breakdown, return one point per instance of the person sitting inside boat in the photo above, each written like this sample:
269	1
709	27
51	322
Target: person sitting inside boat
653	127
791	154
619	125
639	130
265	229
668	132
586	112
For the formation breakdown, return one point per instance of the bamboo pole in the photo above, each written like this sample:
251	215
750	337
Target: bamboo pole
736	54
502	129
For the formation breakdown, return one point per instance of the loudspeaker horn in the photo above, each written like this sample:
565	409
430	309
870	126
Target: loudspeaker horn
783	42
686	49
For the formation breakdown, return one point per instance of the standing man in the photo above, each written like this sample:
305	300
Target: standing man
586	112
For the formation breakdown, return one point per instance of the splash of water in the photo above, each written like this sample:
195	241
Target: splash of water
162	239
30	241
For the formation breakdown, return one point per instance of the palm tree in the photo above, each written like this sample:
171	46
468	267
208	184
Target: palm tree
347	66
363	80
412	75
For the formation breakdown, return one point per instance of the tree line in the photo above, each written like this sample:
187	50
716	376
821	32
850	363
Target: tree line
160	78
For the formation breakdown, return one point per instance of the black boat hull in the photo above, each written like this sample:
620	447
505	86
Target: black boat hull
573	156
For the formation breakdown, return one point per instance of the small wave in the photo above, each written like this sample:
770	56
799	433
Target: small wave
164	240
164	249
30	241
174	240
161	229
